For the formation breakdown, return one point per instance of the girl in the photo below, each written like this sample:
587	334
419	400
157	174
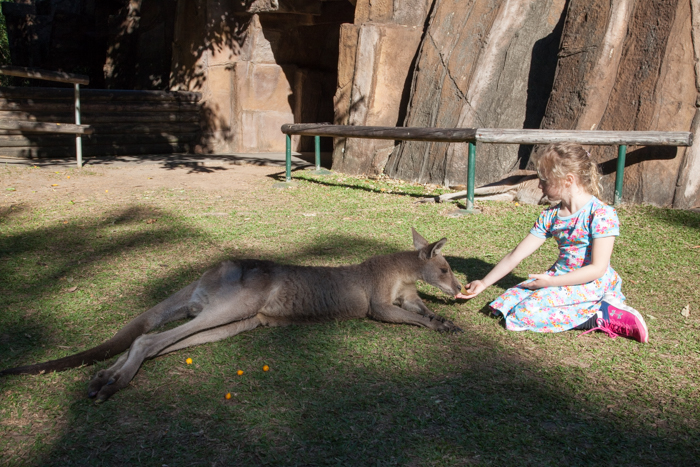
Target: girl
570	294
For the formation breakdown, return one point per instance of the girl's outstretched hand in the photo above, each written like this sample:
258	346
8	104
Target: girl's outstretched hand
473	289
538	281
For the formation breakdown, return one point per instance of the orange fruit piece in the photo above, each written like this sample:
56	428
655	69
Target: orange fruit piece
228	395
240	372
266	368
188	361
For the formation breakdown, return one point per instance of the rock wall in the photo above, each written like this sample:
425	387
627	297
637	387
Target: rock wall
375	58
258	65
581	64
688	186
123	44
629	65
489	63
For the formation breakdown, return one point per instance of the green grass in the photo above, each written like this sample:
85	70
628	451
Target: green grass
340	393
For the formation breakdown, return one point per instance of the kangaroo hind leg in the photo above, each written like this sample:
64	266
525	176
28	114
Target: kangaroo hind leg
221	304
213	335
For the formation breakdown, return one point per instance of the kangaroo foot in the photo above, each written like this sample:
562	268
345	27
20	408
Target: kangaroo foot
105	384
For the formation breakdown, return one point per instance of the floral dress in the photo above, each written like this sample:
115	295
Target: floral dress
555	309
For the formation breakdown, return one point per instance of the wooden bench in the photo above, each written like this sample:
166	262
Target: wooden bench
42	127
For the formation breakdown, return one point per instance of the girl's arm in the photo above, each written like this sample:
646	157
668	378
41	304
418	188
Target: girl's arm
601	251
506	265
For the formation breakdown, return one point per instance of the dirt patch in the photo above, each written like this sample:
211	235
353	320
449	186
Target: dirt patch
33	184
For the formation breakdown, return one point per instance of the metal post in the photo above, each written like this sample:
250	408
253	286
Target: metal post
470	176
620	174
317	148
471	170
288	160
78	138
288	183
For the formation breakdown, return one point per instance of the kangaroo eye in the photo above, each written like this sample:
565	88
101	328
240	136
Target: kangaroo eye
444	270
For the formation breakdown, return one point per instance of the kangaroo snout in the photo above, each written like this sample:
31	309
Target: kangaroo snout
452	288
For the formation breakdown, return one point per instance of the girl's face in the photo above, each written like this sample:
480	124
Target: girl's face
553	189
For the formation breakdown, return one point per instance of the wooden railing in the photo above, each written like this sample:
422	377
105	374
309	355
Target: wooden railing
496	136
41	127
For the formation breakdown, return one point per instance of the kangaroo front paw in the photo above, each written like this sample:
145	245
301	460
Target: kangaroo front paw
448	326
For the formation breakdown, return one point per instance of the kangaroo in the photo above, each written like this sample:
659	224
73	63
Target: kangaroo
521	186
238	296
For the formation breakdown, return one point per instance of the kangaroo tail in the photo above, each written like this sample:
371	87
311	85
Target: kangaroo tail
121	341
174	307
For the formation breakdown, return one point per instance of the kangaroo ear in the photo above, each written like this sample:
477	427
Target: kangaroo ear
432	250
418	241
436	247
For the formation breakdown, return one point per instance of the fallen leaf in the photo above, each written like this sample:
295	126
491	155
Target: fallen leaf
71	290
686	311
693	247
151	221
651	317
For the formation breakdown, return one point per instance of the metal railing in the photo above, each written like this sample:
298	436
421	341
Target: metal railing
39	127
494	136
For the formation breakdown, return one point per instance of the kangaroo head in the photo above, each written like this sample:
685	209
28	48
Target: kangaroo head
434	268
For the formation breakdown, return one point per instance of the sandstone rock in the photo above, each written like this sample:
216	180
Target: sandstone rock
628	65
489	65
688	186
371	91
404	12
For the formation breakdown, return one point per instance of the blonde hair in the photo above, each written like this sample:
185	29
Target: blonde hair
559	160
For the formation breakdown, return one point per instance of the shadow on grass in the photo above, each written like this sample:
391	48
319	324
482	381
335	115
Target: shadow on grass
281	176
36	268
453	401
349	393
